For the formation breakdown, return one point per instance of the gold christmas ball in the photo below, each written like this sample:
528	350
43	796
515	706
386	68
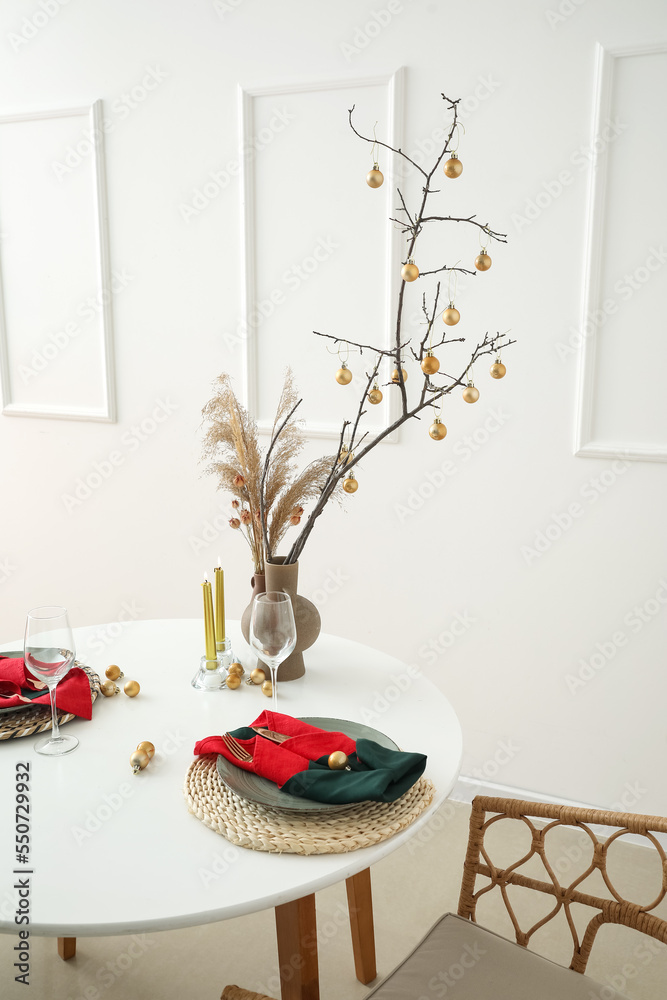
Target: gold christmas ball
451	316
257	676
374	177
233	681
395	377
139	759
409	271
132	689
470	394
430	364
148	748
337	760
375	396
497	370
113	672
350	485
344	375
453	167
109	689
236	668
483	262
437	430
267	688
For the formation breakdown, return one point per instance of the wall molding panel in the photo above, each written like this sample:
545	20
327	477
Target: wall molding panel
589	442
253	225
91	378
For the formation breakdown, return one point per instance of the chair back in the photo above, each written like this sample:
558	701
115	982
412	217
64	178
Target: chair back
612	911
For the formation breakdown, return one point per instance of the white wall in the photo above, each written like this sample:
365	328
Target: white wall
405	577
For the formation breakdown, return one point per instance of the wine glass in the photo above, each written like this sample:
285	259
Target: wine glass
273	632
48	654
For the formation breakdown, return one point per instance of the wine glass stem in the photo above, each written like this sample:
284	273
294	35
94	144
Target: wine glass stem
55	731
274	688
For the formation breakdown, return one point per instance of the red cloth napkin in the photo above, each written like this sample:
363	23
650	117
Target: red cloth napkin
72	694
280	761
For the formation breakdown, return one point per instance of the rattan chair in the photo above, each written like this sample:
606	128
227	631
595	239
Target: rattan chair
458	958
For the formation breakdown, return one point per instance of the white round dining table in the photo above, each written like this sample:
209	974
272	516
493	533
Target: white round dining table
88	805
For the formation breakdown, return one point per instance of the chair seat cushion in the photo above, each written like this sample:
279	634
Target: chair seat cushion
461	960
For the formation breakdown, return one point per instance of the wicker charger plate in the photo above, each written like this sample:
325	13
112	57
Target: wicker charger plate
28	721
261	828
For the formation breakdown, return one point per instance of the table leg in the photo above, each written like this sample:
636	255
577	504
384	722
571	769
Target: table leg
66	948
296	931
360	905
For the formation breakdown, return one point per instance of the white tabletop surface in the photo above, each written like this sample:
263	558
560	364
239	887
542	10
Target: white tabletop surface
114	853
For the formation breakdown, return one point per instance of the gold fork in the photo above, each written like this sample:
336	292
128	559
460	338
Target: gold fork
235	748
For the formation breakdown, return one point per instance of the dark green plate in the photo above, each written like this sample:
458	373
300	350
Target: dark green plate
263	792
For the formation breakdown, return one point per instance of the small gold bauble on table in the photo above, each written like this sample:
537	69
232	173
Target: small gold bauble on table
396	378
147	748
410	271
267	688
375	395
236	668
470	393
132	689
497	370
233	681
337	760
350	485
374	177
139	759
437	430
451	315
257	676
113	672
483	261
453	167
430	364
109	689
343	375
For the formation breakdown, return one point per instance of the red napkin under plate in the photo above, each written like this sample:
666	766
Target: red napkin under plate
72	694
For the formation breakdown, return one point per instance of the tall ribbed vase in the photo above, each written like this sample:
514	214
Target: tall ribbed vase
308	623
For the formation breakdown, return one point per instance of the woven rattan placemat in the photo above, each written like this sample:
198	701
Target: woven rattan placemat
264	829
27	721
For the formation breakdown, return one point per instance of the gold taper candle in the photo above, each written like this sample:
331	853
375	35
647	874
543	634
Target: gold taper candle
209	629
219	604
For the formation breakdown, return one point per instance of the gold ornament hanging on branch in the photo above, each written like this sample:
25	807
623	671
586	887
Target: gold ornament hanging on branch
453	167
430	364
375	395
343	375
396	376
437	430
451	315
375	177
410	271
470	393
350	485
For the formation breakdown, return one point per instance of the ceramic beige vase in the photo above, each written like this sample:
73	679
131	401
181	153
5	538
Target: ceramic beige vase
308	623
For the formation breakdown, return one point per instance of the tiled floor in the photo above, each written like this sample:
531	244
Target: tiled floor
411	888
